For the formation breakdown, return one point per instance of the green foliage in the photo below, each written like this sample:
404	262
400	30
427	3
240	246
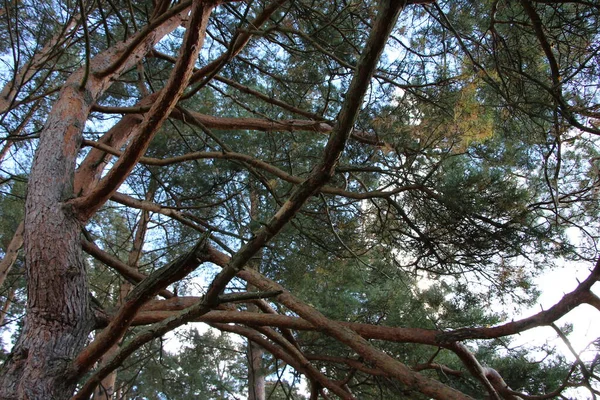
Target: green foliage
281	390
477	163
206	366
12	203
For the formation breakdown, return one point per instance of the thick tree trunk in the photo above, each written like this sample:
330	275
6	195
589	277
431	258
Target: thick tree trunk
256	375
59	318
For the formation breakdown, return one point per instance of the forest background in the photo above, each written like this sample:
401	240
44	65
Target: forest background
366	192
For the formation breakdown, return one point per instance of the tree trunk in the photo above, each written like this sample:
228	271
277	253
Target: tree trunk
59	317
106	389
256	374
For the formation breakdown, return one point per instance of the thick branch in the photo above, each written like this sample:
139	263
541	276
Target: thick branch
56	277
130	274
91	168
148	31
159	310
143	292
321	173
240	42
345	334
153	120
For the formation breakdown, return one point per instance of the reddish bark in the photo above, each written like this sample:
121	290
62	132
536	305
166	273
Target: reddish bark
287	353
378	358
142	293
226	123
87	205
59	317
346	335
89	173
194	38
582	294
106	388
154	312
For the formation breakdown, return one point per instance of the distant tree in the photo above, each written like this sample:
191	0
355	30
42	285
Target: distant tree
354	188
208	366
281	390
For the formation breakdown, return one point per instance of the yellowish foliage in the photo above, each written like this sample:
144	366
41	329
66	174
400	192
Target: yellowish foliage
471	121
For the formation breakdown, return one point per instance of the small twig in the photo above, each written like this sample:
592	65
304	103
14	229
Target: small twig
584	370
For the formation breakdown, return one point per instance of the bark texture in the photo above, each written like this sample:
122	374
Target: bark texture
59	317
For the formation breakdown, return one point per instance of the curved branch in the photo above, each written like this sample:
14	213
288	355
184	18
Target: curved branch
582	294
91	168
194	38
137	42
345	334
143	292
130	274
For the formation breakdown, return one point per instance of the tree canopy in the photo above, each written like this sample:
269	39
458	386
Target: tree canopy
363	191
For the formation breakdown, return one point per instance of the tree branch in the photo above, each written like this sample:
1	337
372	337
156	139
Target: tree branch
143	292
130	274
569	301
194	37
254	162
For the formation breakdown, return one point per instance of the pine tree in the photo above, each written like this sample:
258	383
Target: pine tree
351	187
